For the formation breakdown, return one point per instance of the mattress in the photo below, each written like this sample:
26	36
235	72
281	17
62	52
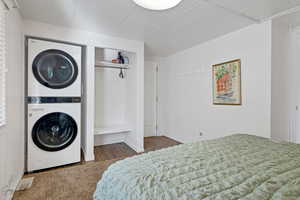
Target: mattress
234	167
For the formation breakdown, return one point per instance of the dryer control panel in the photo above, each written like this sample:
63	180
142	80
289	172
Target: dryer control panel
49	100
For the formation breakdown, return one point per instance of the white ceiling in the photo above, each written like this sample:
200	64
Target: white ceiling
164	32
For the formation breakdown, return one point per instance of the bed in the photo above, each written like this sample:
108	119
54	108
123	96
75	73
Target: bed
234	167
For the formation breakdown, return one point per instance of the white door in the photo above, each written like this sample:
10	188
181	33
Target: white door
150	99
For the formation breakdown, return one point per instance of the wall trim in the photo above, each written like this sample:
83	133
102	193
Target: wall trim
12	187
88	157
134	146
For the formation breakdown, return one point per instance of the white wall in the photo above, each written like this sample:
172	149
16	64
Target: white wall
186	87
92	40
111	94
12	134
285	123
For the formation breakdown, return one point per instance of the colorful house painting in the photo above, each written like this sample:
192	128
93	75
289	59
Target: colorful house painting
224	84
227	83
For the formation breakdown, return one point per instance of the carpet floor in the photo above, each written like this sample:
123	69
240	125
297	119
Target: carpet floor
78	182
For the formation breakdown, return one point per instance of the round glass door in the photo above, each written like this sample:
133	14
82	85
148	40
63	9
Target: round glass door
54	132
55	69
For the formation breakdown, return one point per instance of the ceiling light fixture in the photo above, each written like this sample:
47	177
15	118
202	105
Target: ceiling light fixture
157	4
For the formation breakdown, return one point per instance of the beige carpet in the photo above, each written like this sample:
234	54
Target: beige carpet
78	182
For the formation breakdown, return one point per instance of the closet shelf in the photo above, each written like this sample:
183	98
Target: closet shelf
112	130
105	64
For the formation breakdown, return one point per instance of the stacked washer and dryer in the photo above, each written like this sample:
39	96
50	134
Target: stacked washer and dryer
53	104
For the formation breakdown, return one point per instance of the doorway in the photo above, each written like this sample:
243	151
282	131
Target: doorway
151	99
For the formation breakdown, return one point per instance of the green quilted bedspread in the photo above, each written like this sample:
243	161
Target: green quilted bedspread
235	167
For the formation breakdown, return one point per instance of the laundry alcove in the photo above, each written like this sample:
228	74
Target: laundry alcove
115	97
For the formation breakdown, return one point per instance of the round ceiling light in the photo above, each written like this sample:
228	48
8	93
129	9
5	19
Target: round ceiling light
157	4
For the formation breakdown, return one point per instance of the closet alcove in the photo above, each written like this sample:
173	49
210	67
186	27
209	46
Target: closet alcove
115	97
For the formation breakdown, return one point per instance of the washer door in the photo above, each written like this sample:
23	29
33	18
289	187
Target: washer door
54	132
55	69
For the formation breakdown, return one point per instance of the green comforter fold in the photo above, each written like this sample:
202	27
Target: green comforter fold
235	167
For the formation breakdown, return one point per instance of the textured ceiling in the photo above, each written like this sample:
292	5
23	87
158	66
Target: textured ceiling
164	32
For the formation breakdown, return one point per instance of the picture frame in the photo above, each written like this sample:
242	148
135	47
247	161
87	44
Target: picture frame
227	87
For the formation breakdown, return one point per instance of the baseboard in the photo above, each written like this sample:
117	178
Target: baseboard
173	138
12	187
88	157
134	146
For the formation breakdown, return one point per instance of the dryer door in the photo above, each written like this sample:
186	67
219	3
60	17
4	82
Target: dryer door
55	69
54	132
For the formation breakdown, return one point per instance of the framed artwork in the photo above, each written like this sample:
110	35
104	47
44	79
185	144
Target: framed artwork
227	83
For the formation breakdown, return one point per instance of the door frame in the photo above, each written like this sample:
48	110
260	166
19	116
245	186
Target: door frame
156	100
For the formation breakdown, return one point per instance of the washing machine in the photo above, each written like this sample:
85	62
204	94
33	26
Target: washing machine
53	137
54	69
